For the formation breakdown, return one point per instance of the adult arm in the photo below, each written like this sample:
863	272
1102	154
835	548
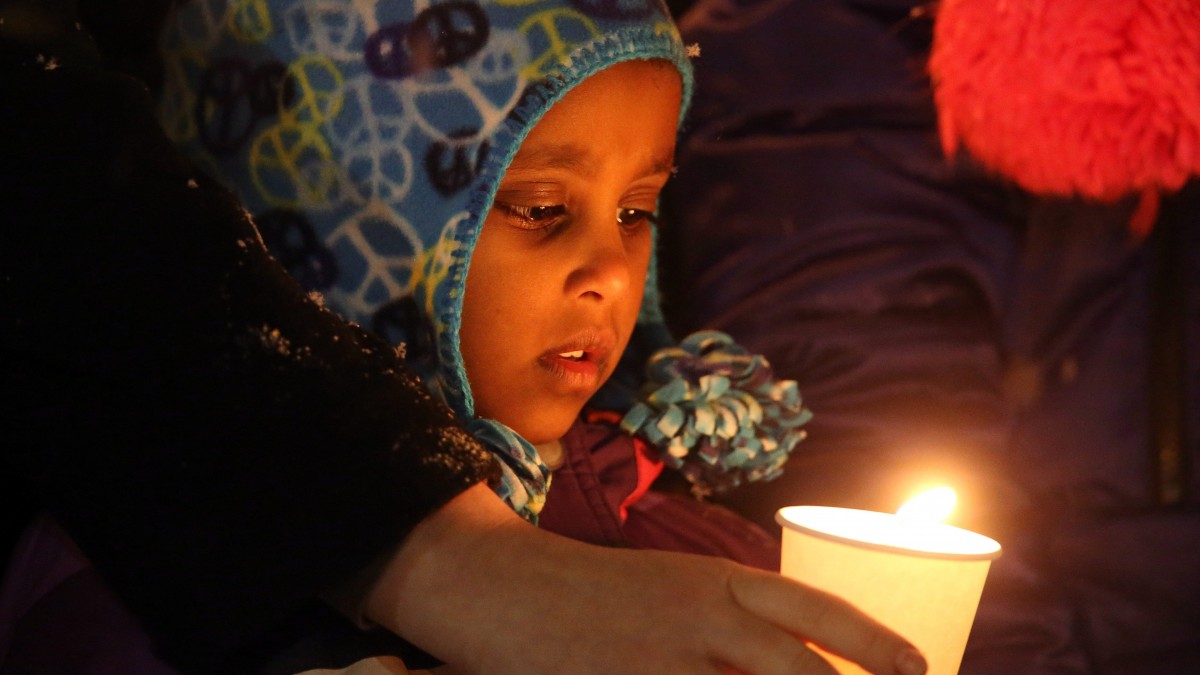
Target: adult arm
554	605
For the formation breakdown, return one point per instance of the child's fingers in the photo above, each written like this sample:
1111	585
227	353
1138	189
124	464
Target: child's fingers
765	649
826	620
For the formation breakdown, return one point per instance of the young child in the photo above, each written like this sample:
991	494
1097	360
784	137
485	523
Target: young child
479	182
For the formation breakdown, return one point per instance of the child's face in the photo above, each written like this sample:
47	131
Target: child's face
556	278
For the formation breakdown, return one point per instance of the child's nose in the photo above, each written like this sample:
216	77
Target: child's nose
604	269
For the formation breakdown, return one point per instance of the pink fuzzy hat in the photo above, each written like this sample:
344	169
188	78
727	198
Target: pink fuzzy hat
1093	98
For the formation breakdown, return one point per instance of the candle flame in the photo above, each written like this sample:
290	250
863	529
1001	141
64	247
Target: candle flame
932	505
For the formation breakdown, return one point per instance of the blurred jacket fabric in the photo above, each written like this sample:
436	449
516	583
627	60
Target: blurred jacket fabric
946	327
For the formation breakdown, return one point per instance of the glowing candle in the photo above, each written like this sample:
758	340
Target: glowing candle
918	576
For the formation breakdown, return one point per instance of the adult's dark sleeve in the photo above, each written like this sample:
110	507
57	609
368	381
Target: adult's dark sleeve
221	446
816	221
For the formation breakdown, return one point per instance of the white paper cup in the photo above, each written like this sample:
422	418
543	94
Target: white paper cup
921	579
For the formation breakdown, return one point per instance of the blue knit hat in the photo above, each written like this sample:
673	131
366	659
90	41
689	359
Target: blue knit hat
368	138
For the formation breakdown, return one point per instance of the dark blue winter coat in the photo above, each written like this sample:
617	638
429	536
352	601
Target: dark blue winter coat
946	326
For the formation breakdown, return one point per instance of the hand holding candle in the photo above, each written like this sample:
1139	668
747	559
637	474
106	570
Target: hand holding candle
916	575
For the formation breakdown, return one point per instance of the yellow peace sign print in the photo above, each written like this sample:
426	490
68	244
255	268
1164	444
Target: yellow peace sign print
292	165
249	20
551	23
319	91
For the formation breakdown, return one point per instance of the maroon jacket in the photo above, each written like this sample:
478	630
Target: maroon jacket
601	494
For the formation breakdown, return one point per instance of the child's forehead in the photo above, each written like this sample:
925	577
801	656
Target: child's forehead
628	111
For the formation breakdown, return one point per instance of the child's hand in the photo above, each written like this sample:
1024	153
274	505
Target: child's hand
486	592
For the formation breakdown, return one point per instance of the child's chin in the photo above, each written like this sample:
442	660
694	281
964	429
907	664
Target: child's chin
548	428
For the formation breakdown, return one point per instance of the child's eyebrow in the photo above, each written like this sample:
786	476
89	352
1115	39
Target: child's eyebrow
574	157
567	156
664	163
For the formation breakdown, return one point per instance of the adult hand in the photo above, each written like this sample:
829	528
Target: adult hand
481	589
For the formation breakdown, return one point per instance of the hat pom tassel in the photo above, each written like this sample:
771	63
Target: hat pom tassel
717	414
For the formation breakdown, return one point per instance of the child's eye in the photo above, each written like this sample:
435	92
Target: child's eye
533	217
632	218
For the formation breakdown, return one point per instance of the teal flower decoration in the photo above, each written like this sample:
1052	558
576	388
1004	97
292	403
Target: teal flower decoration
717	413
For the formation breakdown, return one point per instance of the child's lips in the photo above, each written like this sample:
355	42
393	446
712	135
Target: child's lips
581	359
